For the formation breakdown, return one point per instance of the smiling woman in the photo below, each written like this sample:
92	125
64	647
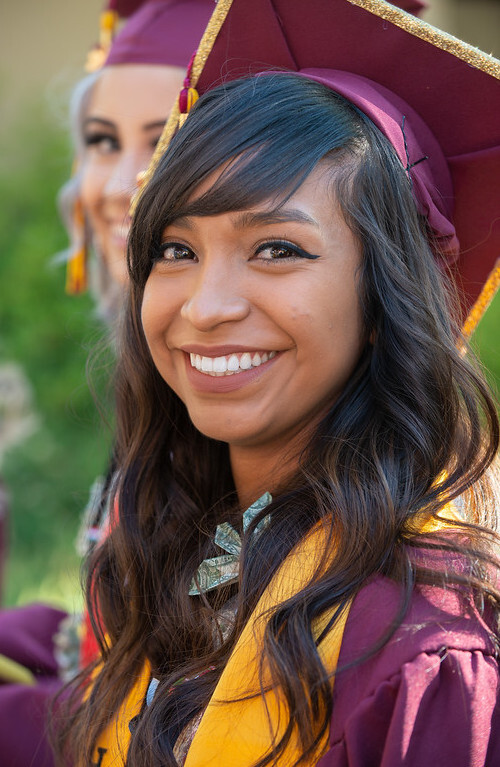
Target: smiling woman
269	301
118	116
290	345
118	144
302	565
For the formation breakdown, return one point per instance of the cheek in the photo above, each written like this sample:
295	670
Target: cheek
149	315
340	335
91	185
157	313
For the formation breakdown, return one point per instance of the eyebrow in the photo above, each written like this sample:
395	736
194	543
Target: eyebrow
100	120
247	219
156	125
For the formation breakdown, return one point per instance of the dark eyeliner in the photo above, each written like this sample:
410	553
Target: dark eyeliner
301	253
97	138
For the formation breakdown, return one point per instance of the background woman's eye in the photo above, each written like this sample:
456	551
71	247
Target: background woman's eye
154	142
174	251
101	143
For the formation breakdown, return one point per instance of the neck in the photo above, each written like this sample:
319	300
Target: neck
257	470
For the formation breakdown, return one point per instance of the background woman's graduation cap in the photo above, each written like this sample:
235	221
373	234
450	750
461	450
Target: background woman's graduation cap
164	32
142	40
435	97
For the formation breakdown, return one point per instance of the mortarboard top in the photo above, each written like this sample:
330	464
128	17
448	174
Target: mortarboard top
163	32
453	88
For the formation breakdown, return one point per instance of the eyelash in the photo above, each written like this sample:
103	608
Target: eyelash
287	246
103	142
283	245
99	141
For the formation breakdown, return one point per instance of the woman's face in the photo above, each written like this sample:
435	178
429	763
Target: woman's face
253	318
128	108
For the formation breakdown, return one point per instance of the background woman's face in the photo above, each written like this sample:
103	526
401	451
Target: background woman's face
128	108
253	317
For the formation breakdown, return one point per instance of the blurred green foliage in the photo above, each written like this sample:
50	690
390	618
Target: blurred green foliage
486	342
50	335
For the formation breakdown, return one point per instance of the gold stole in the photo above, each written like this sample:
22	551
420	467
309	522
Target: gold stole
113	742
232	732
235	732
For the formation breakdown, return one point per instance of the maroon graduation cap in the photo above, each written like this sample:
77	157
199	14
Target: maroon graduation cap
435	97
160	31
164	32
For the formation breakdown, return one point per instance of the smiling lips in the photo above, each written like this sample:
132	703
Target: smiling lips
230	364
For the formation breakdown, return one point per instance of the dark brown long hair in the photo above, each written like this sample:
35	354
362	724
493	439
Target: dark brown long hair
414	428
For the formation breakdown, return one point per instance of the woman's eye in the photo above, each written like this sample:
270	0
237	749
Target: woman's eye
174	251
154	142
282	251
101	143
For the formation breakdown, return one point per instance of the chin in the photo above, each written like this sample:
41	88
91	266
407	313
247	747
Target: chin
227	433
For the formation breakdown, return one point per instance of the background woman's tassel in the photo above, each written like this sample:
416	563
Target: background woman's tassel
76	272
98	54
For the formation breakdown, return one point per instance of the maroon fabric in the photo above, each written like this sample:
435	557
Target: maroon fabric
458	103
429	697
412	140
26	637
165	32
124	8
24	734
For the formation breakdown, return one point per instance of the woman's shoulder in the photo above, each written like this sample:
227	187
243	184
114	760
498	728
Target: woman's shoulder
429	695
436	618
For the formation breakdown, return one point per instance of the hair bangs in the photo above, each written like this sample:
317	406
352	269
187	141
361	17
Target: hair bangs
253	154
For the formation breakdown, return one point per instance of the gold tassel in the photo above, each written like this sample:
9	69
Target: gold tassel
195	68
99	53
76	270
485	298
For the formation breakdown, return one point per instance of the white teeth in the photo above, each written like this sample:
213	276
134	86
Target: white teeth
233	363
220	365
246	361
207	364
227	366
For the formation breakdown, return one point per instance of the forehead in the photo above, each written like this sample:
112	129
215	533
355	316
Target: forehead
321	176
134	92
311	209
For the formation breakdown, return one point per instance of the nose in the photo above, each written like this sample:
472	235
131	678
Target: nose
216	297
122	180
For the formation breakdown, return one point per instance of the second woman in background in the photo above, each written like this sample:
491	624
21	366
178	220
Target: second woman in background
117	115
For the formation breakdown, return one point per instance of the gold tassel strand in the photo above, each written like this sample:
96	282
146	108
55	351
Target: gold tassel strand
213	28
